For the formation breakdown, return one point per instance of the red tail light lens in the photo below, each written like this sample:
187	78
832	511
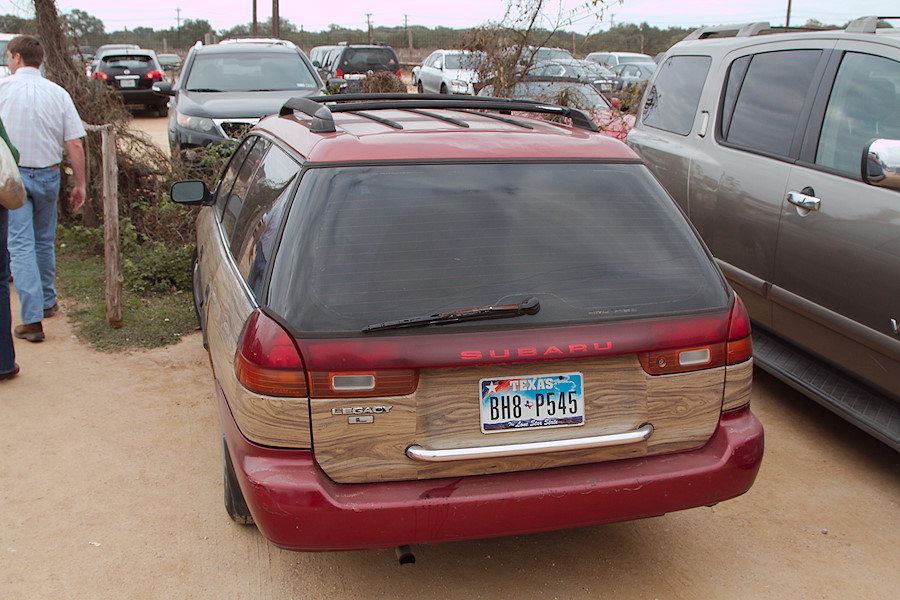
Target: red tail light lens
736	349
267	361
740	344
399	73
156	74
339	73
99	76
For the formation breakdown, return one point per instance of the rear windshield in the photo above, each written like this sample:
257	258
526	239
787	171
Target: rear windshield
592	242
128	62
360	60
249	72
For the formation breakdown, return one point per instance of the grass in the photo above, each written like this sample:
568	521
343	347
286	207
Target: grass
150	320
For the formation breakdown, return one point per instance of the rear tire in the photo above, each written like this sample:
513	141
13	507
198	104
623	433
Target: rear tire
420	87
162	109
444	89
235	505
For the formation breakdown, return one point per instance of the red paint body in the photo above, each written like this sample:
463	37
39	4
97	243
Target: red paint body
296	506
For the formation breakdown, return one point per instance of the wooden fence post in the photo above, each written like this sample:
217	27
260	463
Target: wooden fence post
114	279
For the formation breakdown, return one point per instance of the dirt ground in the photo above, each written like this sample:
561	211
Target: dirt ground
110	487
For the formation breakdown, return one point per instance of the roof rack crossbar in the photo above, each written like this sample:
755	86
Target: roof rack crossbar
322	120
741	29
369	102
509	120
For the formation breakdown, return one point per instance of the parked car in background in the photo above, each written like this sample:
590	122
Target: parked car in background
171	64
447	72
435	318
4	40
350	64
106	48
224	89
132	73
629	74
576	93
611	59
535	54
583	70
784	151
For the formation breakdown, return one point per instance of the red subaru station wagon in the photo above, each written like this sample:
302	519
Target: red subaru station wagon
438	318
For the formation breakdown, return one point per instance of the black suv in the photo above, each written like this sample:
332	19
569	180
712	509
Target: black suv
225	88
352	63
783	147
132	73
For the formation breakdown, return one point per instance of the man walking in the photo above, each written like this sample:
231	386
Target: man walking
40	119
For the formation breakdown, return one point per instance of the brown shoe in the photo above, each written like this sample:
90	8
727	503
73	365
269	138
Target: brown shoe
33	332
49	312
10	374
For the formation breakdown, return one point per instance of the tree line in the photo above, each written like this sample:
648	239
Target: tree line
87	30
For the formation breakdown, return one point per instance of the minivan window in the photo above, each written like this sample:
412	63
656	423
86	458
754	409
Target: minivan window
672	101
592	242
863	106
768	100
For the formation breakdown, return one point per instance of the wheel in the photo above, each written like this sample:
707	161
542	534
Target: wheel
444	89
420	87
162	109
235	505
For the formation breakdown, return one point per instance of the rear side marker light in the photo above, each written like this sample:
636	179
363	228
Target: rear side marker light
267	361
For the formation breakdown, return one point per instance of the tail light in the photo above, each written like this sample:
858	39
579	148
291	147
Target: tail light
740	344
99	76
736	349
155	74
267	361
339	73
399	73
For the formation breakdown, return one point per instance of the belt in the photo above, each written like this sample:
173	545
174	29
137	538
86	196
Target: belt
50	168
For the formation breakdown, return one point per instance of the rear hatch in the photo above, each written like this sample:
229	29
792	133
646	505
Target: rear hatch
131	71
459	319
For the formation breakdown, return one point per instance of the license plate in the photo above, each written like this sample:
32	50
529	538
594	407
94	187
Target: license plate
533	402
127	83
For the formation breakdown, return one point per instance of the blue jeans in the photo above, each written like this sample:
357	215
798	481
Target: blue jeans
32	234
7	352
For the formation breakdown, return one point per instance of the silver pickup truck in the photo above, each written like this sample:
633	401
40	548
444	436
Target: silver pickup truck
783	148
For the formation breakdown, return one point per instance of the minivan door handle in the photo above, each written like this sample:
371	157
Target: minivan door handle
804	199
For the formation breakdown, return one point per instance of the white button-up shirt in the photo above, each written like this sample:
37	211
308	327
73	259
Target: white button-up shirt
39	117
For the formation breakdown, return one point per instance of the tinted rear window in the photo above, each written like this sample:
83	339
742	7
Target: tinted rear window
368	244
360	60
250	72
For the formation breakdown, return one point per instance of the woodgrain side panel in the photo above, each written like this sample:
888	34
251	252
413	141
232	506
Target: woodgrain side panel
443	413
738	384
264	420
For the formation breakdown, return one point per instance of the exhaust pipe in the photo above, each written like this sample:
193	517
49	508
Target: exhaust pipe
405	555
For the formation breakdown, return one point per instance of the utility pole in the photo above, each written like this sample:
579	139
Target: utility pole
178	19
253	22
276	20
787	21
369	23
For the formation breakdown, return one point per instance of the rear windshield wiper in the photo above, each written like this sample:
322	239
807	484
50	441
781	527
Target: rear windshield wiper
528	306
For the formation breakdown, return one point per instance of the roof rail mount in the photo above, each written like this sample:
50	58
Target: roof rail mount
741	29
865	24
321	108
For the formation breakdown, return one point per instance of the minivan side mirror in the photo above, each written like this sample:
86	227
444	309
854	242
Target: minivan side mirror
880	164
192	192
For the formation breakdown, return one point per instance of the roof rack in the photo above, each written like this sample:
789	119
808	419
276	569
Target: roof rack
321	108
742	29
865	24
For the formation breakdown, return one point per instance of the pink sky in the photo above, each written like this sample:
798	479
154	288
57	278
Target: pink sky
316	16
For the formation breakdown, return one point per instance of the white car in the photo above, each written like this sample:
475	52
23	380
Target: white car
447	72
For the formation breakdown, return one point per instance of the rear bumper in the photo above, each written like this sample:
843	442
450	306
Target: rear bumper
296	506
